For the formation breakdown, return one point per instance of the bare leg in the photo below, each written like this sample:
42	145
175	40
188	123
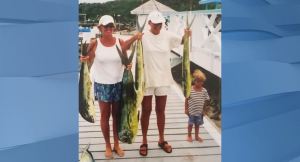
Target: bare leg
189	137
146	112
197	137
160	113
115	111
105	109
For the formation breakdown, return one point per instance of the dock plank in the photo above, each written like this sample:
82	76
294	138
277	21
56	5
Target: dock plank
175	134
158	153
188	158
138	139
153	145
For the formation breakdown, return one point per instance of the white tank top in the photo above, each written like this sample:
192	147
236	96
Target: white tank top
107	67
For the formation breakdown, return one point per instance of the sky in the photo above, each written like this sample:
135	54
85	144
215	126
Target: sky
94	1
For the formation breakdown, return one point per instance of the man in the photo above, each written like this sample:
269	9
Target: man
157	44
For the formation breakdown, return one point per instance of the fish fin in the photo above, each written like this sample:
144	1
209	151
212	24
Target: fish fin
138	25
191	23
84	49
90	155
143	25
132	54
86	150
123	57
187	20
141	28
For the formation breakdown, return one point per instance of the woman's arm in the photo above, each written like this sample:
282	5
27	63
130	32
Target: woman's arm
126	44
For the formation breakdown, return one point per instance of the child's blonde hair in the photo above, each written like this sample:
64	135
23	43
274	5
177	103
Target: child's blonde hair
198	74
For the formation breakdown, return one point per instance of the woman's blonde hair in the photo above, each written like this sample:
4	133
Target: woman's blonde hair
198	74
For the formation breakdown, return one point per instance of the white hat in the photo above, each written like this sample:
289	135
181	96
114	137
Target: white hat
106	19
156	17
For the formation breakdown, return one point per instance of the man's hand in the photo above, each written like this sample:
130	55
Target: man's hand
187	32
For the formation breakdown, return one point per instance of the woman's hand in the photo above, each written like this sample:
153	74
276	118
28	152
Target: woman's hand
129	66
84	58
138	36
126	44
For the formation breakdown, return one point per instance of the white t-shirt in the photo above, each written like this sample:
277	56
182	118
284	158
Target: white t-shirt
107	67
157	63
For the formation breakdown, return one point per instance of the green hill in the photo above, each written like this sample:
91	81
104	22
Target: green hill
123	7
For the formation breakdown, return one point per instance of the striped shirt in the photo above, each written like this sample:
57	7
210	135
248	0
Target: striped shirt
196	101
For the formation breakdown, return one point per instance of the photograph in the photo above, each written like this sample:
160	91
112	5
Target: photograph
149	80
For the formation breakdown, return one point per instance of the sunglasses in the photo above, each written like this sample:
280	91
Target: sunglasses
109	25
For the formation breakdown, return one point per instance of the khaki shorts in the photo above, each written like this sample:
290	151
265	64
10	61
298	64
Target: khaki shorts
157	91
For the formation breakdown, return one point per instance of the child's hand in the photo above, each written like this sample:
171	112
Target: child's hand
205	110
186	112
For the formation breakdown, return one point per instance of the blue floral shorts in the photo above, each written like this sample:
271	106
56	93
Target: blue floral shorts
197	120
108	92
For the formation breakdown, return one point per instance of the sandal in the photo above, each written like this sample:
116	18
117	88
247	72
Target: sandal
163	146
145	151
119	151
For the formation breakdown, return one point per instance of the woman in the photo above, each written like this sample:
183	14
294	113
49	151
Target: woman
107	74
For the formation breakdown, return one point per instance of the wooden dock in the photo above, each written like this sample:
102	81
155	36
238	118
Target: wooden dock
175	134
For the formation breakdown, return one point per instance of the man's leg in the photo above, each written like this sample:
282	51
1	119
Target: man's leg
160	113
146	112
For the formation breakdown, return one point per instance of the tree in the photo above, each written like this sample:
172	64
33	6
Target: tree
123	7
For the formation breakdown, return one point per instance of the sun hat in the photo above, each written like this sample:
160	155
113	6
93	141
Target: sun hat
106	19
156	17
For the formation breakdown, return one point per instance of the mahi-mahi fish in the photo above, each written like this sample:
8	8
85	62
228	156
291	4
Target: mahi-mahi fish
86	155
132	93
186	69
86	99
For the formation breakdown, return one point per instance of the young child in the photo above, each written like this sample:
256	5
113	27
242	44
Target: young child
195	103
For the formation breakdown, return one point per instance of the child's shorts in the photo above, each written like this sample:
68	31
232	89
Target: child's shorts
108	92
197	120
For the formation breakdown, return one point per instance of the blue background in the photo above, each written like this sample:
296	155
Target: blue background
38	81
260	81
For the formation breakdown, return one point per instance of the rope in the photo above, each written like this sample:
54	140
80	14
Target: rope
155	5
142	6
